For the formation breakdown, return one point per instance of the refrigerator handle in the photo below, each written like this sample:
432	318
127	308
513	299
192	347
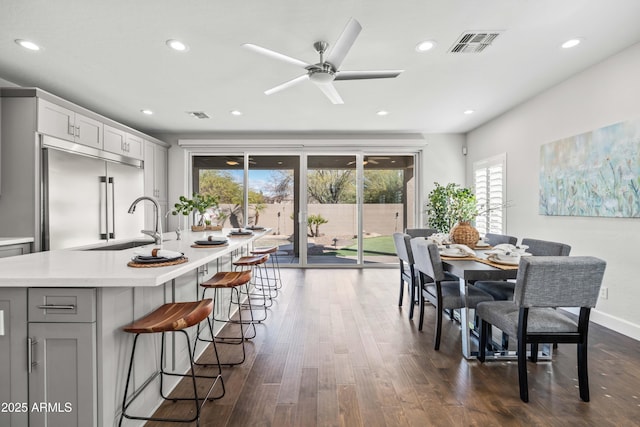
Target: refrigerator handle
103	210
112	234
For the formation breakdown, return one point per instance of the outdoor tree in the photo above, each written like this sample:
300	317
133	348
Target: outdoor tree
280	185
331	186
383	186
229	191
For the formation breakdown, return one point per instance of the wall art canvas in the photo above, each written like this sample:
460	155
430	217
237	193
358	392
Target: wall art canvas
593	174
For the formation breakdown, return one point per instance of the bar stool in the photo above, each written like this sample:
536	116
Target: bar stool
173	317
256	264
231	280
272	251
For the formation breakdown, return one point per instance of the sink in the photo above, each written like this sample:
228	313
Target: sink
122	245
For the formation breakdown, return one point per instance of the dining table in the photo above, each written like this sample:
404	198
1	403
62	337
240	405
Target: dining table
470	269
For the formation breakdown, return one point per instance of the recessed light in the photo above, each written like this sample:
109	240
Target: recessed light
425	45
147	112
177	45
28	44
571	43
382	113
467	112
235	113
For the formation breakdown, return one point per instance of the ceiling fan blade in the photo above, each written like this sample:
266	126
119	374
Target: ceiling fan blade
359	75
344	43
330	91
287	84
273	54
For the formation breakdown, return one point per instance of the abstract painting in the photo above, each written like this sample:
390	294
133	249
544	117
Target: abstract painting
593	174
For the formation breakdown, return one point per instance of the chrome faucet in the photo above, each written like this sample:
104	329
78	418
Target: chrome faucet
157	232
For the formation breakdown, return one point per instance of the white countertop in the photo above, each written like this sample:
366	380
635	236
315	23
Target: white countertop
5	241
82	268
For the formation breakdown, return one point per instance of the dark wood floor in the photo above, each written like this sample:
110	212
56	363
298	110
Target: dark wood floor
337	350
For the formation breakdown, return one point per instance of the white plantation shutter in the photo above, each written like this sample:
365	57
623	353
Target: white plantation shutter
489	183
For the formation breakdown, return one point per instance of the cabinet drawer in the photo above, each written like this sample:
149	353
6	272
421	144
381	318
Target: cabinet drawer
62	305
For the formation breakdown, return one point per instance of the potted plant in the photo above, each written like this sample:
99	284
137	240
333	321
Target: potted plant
199	203
451	209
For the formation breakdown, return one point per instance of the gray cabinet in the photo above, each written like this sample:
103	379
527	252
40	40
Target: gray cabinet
13	358
66	124
62	357
121	142
155	179
13	250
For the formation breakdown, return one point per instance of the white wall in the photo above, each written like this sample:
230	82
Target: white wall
606	93
442	162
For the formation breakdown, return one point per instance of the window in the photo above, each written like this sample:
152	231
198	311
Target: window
489	183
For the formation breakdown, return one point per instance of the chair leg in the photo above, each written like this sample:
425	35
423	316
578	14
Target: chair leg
583	375
522	370
534	352
421	303
436	340
485	329
522	354
412	299
401	288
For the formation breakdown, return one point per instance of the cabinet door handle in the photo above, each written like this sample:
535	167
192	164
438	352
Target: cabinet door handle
78	131
30	363
71	129
57	307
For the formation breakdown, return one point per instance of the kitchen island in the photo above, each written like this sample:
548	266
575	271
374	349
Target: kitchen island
62	313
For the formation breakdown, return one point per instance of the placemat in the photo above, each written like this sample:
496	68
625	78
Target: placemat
160	264
209	246
457	258
496	265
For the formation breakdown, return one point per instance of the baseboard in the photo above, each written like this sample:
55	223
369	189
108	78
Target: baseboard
615	323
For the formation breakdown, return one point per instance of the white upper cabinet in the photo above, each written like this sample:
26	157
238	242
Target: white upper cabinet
155	171
121	142
66	124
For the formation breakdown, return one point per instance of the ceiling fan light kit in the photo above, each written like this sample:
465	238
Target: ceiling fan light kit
326	71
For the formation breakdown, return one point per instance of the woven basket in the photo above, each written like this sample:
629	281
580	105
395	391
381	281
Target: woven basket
465	234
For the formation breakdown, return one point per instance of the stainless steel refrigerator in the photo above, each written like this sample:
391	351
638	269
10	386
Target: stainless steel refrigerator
86	194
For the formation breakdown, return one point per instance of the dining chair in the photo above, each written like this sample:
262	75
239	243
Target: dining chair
407	271
502	290
543	284
498	239
443	294
420	232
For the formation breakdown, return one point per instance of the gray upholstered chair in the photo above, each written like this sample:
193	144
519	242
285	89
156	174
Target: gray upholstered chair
407	271
444	295
498	239
420	232
543	284
502	290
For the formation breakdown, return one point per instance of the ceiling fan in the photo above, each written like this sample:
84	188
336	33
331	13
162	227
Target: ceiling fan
327	70
368	159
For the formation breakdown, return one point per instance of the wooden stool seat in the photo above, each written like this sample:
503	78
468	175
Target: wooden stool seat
228	279
265	250
251	260
172	317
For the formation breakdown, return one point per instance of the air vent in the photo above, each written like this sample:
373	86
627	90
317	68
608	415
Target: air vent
198	114
474	41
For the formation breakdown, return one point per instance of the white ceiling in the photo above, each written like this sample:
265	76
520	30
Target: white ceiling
111	57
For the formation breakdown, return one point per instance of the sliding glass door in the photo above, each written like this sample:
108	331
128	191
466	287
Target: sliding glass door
388	205
324	209
332	215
